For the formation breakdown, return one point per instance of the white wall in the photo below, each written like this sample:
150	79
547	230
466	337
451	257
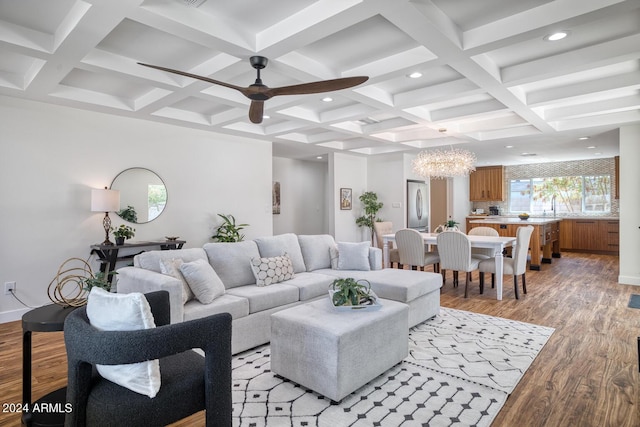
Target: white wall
385	177
347	171
52	157
303	208
629	205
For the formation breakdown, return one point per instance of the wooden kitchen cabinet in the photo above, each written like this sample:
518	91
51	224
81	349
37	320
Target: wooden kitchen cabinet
486	184
585	234
566	233
609	231
592	235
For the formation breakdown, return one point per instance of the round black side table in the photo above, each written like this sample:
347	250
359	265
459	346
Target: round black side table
50	408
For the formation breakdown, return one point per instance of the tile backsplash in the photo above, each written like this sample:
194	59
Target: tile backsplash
543	170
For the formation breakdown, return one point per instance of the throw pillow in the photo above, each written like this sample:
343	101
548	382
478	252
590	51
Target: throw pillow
125	312
171	267
333	255
353	256
203	280
272	270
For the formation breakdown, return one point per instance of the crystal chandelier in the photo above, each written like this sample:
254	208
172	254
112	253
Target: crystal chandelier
443	164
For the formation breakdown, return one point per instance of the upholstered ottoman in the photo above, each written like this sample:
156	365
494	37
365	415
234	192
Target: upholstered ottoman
336	352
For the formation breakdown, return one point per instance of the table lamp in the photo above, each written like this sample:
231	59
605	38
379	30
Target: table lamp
105	201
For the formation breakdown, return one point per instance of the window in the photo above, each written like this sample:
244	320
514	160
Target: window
567	194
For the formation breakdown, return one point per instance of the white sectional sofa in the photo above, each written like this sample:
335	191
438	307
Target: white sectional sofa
251	306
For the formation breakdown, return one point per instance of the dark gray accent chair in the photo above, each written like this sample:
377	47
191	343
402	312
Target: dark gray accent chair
189	382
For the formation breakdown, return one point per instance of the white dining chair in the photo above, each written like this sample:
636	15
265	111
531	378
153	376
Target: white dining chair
412	251
386	227
515	266
484	253
454	248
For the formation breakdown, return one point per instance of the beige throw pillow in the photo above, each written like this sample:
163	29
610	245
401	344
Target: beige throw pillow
171	267
203	280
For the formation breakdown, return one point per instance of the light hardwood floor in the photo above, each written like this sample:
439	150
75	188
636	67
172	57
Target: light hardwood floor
586	375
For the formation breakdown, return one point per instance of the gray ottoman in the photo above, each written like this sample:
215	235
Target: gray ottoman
336	352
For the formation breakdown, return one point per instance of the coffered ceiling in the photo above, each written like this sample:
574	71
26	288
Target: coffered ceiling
490	81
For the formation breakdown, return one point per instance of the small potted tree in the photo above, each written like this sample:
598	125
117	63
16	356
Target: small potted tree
123	232
371	207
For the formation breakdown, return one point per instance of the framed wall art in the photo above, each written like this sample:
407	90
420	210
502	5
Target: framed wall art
275	197
345	199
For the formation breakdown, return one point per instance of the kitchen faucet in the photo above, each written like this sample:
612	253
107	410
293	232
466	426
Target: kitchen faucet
553	205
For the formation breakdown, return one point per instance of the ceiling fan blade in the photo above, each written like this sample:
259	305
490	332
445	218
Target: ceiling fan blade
317	87
256	111
197	77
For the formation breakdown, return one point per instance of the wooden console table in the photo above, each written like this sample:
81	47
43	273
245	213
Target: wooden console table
108	254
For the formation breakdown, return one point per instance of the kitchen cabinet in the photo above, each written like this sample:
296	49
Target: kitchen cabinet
590	235
486	184
609	231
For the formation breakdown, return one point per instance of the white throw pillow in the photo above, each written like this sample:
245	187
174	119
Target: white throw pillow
203	280
353	256
272	270
125	312
171	267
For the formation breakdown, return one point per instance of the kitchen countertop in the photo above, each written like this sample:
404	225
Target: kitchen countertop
515	220
532	220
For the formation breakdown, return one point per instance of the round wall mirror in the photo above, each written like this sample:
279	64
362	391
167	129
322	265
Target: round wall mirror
143	195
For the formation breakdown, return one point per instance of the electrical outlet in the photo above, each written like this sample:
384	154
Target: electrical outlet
9	287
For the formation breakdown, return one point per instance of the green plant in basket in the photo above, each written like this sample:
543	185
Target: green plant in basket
352	292
100	279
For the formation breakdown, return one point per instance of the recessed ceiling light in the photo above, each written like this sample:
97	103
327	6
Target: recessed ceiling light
266	117
597	154
559	35
591	147
327	99
415	75
319	157
508	146
582	138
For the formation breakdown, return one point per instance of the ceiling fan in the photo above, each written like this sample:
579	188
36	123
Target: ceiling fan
258	92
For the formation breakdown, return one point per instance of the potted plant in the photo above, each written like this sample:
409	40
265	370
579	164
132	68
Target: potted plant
351	293
229	231
100	279
123	232
451	224
371	207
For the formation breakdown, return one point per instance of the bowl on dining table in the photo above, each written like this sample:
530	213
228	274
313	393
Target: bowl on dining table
524	216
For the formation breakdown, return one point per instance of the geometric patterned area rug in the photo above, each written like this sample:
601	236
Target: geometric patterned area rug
461	368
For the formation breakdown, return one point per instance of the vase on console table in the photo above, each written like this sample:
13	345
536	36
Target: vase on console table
120	241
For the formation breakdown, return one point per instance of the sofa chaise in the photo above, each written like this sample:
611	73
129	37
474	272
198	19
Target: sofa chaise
315	260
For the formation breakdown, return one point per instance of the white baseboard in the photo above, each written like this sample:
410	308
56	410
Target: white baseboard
629	280
12	316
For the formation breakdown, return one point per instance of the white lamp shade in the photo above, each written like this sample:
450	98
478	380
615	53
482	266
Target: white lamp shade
104	200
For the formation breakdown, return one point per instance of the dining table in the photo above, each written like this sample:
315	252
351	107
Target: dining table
497	243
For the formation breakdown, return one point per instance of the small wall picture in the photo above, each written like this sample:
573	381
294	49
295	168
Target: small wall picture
345	199
275	197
